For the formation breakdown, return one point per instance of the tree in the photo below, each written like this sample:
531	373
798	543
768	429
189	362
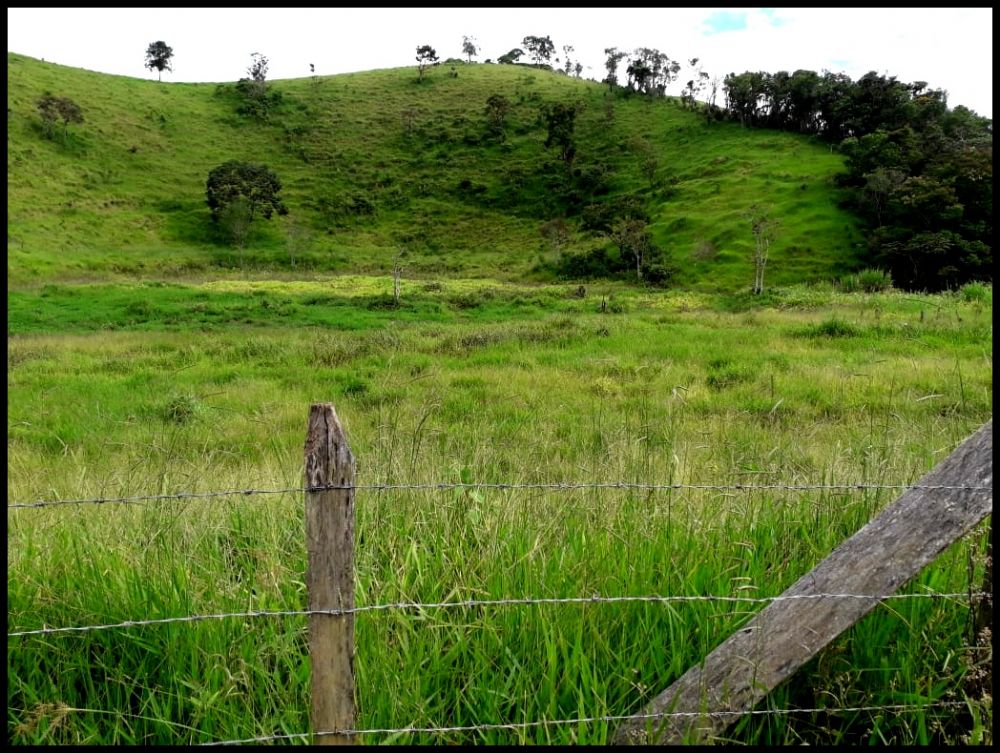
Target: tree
426	56
764	229
561	121
469	47
540	48
511	57
258	73
633	241
556	232
651	71
611	64
237	192
567	65
497	107
53	108
158	56
236	217
258	100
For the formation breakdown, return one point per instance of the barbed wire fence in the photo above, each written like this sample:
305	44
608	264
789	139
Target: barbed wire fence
347	489
541	486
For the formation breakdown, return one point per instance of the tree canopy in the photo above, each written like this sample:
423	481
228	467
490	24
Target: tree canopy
540	48
52	108
426	56
158	56
254	184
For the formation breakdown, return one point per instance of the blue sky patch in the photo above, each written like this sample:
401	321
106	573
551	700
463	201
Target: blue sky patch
725	21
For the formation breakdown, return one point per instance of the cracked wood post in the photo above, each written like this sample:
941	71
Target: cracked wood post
330	576
876	561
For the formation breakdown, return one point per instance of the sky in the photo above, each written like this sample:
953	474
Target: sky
949	48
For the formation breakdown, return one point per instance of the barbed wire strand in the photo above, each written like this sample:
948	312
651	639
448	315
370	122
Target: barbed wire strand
556	486
469	603
589	720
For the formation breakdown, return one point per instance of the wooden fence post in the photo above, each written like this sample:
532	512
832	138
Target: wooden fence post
330	577
874	562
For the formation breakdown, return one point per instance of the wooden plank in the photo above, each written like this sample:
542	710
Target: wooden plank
876	561
330	577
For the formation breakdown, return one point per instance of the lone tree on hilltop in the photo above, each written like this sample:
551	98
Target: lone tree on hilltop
540	48
469	47
158	56
426	56
237	192
53	108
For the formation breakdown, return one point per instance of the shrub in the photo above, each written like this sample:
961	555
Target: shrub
180	409
874	280
869	280
833	328
976	292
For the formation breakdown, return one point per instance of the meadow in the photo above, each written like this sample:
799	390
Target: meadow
501	384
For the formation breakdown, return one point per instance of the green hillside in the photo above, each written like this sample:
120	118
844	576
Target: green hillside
374	161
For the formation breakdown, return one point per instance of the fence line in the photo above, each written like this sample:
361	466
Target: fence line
553	486
586	720
402	606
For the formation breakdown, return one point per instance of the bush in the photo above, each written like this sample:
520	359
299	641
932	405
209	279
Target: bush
833	328
180	409
976	292
874	280
869	280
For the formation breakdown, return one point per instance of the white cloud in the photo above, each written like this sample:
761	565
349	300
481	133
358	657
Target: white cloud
951	49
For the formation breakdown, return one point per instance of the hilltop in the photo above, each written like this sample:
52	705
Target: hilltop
375	161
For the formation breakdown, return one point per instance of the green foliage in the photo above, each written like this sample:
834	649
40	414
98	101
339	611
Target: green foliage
833	328
497	107
867	280
975	292
256	185
53	108
426	56
540	48
158	57
180	408
560	122
258	98
511	57
920	175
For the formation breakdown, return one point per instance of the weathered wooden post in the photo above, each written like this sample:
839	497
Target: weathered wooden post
330	577
875	562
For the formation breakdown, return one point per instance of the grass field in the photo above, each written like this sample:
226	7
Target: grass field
483	382
146	355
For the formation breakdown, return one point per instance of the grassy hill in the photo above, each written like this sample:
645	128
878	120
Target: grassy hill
374	161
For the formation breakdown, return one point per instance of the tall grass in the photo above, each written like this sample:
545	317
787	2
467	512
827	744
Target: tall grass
676	390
